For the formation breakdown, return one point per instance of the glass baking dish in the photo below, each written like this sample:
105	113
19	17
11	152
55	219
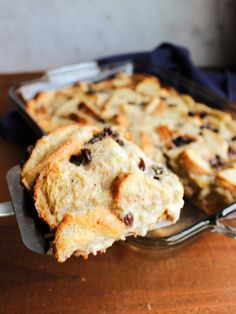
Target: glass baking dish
192	221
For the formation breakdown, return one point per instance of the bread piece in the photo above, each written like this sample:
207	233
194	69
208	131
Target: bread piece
101	191
227	179
149	86
57	145
193	162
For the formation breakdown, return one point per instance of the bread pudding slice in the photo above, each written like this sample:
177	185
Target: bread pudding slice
94	187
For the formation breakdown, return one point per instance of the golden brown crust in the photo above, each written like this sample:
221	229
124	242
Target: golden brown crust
193	163
94	224
165	135
147	144
227	179
116	187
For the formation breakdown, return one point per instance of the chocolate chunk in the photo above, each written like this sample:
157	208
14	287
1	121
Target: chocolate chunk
120	142
191	114
129	219
76	160
82	105
73	117
81	159
233	138
203	114
216	162
141	164
96	138
181	141
106	132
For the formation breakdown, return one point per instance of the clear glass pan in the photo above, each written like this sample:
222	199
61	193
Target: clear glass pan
193	221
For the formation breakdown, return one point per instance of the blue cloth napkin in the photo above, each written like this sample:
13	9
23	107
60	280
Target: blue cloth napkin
178	59
167	56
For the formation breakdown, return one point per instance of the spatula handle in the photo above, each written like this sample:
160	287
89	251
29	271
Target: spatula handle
6	209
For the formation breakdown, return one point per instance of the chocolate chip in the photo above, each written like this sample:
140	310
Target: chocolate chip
191	114
81	159
233	138
181	140
120	142
141	164
164	98
216	162
76	160
106	132
96	139
128	219
203	114
82	105
73	117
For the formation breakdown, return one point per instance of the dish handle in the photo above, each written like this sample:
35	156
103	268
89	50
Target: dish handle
6	209
221	218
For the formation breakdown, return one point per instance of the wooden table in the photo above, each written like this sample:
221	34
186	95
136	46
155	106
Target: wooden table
200	278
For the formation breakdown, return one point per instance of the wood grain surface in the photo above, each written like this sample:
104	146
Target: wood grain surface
198	278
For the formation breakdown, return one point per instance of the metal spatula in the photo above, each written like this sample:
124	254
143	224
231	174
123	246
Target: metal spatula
32	229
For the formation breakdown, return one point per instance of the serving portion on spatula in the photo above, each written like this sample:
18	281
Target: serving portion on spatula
93	187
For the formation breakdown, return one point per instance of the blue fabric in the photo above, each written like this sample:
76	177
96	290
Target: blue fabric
178	59
167	56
